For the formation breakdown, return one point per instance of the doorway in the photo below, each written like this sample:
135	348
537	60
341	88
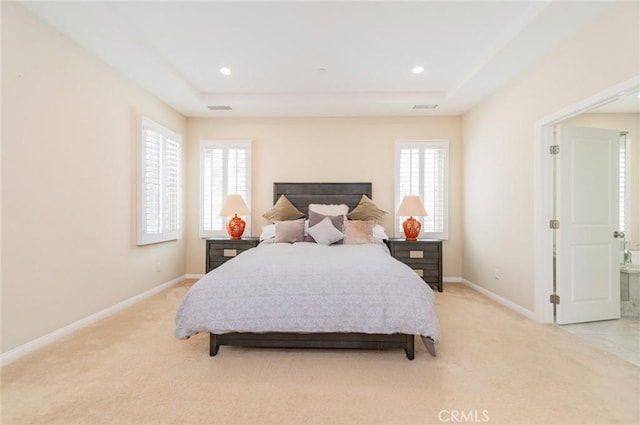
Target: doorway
617	336
543	191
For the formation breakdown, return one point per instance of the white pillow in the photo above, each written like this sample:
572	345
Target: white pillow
330	209
268	232
379	233
325	233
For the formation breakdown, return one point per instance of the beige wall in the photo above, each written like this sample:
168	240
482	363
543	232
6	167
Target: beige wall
69	183
629	122
499	146
325	150
68	170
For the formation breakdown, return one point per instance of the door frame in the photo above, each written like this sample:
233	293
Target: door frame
543	192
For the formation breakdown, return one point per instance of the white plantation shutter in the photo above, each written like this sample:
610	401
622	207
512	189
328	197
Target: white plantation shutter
422	169
159	183
225	169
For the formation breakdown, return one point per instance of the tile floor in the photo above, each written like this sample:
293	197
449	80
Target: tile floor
620	337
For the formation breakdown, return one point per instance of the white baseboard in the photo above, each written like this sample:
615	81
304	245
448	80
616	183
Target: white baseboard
500	300
23	350
193	276
451	280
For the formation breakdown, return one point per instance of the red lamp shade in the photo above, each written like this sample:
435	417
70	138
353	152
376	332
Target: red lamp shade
411	228
410	206
234	205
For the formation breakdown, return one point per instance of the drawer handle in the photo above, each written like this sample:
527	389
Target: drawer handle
230	252
419	272
416	254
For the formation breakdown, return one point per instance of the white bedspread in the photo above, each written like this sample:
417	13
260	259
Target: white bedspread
306	287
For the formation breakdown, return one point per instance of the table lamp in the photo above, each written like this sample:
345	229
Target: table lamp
410	206
234	205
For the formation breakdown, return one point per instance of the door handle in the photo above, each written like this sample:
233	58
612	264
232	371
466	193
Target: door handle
617	234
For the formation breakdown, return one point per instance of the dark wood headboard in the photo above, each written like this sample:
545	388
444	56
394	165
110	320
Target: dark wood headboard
303	194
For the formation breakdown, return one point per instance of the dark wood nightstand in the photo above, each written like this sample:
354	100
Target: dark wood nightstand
221	250
424	256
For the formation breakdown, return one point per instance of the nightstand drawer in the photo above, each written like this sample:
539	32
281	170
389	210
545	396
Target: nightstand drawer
216	264
223	252
431	276
433	261
415	250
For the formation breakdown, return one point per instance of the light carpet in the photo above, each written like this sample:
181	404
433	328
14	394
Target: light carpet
493	366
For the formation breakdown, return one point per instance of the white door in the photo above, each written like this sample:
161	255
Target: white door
587	247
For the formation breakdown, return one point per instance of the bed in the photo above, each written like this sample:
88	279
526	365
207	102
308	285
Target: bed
305	295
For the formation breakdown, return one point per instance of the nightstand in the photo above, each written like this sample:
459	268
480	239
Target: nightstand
424	256
221	250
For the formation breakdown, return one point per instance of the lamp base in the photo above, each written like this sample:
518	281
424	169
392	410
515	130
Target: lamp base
411	228
235	227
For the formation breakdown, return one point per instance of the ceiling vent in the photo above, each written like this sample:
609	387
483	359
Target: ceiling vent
425	106
219	107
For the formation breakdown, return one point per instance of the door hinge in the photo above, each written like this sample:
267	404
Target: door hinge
554	149
554	224
554	299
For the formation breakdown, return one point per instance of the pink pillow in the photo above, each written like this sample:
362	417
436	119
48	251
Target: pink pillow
290	231
358	232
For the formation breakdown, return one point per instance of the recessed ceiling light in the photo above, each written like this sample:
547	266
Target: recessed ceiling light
225	71
417	70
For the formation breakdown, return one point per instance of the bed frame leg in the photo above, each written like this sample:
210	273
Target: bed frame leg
430	345
409	351
213	344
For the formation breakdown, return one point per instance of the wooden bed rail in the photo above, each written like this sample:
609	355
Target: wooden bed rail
314	340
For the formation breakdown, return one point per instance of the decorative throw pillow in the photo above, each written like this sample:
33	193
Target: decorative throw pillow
290	231
315	218
358	232
367	210
329	209
268	232
325	232
379	233
283	210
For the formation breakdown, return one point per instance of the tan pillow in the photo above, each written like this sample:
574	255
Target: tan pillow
358	232
367	210
283	210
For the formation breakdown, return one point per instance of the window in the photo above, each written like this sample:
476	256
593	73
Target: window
225	168
422	168
159	183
